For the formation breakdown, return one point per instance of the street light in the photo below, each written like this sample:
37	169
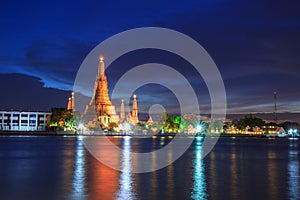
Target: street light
127	127
199	128
295	132
81	127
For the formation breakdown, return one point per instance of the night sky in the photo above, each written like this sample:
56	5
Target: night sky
255	44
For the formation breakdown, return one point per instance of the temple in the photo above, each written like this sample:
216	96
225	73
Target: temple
105	110
103	107
122	112
134	114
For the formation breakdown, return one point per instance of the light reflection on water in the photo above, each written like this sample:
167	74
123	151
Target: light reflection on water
234	187
126	191
199	185
293	170
61	168
78	187
272	173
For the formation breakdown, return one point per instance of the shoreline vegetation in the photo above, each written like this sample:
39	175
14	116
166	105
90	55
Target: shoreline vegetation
141	135
167	124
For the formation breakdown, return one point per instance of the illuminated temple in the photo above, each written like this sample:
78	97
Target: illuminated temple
104	108
102	105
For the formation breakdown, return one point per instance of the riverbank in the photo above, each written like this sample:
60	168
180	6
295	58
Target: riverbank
64	133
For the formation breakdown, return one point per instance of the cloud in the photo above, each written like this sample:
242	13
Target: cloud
54	61
255	45
21	92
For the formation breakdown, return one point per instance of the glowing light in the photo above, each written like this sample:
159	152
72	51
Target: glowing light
127	127
101	58
80	126
293	171
199	140
295	130
199	128
126	139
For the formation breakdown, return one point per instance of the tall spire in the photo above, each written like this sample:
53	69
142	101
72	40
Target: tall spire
69	107
101	67
105	110
122	112
134	117
73	101
150	121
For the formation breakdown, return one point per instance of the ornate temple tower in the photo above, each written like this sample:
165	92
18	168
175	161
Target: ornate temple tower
69	107
149	121
105	110
134	114
122	112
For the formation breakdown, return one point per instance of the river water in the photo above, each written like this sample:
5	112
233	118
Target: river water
62	168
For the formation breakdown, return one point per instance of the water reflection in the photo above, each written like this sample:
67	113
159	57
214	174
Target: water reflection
162	141
170	174
154	175
102	182
234	186
293	170
272	169
126	190
61	168
79	172
199	185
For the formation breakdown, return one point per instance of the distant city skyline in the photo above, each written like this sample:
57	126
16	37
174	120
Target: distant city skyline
255	46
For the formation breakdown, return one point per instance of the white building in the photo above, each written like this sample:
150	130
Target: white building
23	120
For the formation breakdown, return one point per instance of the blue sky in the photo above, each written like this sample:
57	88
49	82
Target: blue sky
255	45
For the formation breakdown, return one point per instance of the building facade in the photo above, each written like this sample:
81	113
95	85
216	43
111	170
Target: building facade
24	120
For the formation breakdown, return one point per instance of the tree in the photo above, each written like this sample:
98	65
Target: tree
112	126
183	124
216	126
59	117
251	121
170	123
70	123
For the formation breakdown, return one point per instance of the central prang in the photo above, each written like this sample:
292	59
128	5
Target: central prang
105	110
